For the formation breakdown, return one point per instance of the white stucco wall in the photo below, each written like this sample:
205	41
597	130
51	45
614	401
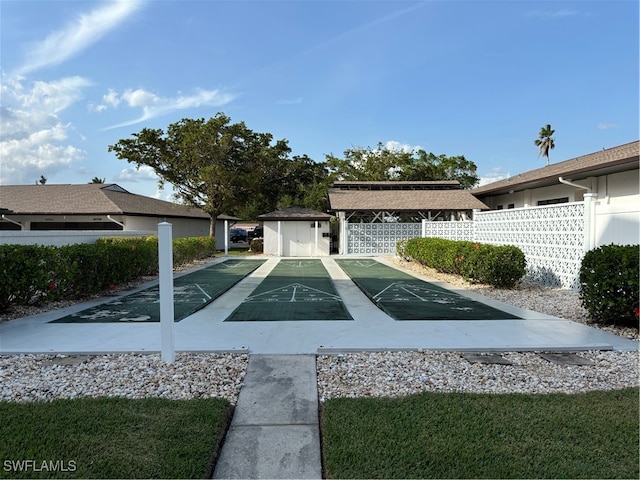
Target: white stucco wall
297	238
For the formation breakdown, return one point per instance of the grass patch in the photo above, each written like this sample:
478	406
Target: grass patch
464	435
112	437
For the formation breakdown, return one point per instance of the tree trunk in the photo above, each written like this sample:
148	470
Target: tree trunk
212	225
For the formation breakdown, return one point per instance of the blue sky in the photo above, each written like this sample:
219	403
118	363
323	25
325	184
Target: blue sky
472	78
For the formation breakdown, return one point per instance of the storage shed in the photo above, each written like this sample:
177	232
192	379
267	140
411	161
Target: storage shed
296	232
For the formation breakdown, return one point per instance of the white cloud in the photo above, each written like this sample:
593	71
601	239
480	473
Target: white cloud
394	146
293	101
86	30
132	175
494	175
33	135
606	126
563	13
153	105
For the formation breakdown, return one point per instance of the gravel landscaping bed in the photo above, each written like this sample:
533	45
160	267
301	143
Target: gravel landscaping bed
401	373
44	377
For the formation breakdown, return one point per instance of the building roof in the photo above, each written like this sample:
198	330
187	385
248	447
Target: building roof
402	200
398	185
87	199
295	213
617	159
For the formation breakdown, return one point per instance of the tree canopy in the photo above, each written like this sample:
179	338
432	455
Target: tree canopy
545	142
383	164
214	165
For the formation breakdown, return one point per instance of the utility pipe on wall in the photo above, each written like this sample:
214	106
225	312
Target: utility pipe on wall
116	221
589	225
4	217
567	182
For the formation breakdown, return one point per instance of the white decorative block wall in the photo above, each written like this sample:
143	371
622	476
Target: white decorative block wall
551	238
379	238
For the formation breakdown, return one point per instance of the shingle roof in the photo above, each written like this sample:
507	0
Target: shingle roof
87	199
402	200
398	185
620	158
295	213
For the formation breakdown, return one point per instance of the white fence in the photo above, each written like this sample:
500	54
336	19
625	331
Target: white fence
378	238
551	237
58	238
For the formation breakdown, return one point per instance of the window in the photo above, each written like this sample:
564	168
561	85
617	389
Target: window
553	201
511	205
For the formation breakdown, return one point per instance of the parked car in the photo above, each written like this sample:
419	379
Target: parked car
257	232
238	235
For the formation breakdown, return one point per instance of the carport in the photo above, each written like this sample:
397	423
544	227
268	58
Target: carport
296	232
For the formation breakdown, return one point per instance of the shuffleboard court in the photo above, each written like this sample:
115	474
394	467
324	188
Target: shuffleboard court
293	290
191	293
404	297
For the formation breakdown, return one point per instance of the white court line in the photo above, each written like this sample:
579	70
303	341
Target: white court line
205	293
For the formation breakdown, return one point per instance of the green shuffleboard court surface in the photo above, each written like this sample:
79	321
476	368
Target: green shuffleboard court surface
294	290
404	297
191	292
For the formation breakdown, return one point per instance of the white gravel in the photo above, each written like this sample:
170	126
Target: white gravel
45	377
394	374
26	378
402	373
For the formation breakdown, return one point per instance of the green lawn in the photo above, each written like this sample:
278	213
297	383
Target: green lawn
458	435
112	438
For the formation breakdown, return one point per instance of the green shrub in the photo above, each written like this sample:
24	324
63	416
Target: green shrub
257	245
26	276
609	284
501	266
186	250
35	273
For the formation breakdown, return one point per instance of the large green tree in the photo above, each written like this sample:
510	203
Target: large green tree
215	165
383	164
545	142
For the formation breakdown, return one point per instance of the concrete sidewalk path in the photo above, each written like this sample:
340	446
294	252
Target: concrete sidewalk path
274	432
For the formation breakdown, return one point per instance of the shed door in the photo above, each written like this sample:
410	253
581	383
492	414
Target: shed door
298	239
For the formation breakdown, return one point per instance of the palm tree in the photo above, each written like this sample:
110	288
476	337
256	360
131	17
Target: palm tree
545	142
97	180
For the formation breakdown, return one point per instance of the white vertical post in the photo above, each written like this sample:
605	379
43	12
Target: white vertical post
589	224
316	246
165	270
226	237
345	241
279	238
424	227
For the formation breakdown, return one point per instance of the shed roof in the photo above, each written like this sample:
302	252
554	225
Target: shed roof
87	199
295	213
617	159
402	200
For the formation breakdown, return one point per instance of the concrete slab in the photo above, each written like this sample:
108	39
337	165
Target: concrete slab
371	330
262	451
275	429
565	358
278	390
486	358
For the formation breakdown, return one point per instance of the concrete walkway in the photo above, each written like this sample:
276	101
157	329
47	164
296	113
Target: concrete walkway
274	432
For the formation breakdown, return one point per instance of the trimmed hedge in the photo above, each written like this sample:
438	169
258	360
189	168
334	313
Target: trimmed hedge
501	266
609	288
36	273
